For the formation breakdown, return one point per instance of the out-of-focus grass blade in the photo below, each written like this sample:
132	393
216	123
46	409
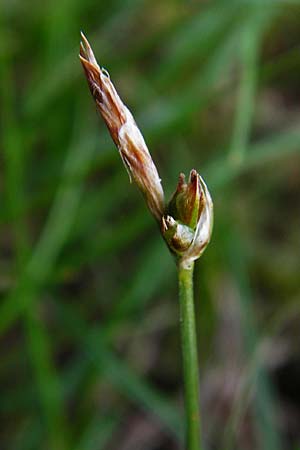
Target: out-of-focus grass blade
125	380
47	381
114	238
264	402
279	145
119	374
155	269
124	13
97	434
29	437
14	154
240	153
157	264
109	196
37	337
52	176
286	62
159	117
53	237
60	24
128	382
250	43
195	37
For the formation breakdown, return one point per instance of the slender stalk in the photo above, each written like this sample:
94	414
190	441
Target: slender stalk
190	358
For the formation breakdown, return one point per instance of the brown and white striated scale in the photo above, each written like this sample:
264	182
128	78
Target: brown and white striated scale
124	131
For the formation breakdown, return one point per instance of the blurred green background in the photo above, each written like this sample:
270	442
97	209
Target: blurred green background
90	350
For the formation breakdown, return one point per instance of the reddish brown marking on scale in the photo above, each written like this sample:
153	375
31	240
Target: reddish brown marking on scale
90	69
201	203
194	182
202	246
181	182
93	79
137	159
96	93
190	199
193	175
178	245
126	162
135	165
114	107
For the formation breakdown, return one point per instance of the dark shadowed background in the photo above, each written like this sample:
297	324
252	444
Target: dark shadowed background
90	350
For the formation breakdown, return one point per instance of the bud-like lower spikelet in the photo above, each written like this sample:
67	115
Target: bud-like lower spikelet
124	131
188	225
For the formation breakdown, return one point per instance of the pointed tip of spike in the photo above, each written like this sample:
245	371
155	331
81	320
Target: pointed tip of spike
86	50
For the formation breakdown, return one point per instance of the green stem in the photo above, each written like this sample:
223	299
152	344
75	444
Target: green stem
190	359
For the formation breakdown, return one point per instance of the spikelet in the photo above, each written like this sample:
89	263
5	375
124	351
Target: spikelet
187	226
124	131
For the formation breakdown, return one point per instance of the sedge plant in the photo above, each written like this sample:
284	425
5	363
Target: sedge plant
185	222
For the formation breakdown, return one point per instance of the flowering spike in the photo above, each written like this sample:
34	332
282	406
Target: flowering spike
186	223
124	131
